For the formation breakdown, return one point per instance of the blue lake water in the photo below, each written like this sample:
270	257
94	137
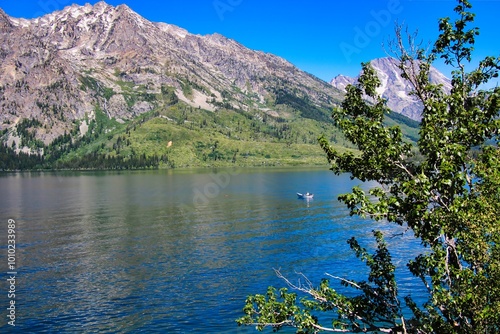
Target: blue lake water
172	251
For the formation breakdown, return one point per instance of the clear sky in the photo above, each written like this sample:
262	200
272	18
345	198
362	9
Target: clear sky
322	37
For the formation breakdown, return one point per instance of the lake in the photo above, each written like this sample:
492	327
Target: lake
171	250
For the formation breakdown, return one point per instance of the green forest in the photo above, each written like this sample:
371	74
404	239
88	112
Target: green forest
177	135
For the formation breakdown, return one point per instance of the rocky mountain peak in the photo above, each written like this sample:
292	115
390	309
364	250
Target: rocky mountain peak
61	67
5	23
341	82
394	88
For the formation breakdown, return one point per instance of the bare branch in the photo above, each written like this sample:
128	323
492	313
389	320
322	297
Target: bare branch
344	280
309	290
290	323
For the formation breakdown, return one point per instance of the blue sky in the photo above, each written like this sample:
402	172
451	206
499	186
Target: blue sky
322	37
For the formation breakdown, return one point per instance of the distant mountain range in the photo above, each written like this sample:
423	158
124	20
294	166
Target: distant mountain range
394	88
74	82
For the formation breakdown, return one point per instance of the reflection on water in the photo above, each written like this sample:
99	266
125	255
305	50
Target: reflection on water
170	251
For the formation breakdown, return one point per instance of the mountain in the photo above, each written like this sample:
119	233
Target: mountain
394	88
59	67
102	87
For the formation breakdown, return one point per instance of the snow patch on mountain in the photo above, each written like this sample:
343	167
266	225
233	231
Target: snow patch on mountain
394	88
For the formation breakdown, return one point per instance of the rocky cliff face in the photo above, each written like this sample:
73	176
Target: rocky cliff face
57	69
394	88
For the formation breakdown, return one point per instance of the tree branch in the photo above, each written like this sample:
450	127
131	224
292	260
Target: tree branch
344	280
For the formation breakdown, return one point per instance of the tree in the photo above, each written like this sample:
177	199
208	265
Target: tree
449	199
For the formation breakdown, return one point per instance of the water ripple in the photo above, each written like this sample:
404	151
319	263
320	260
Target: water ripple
130	253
